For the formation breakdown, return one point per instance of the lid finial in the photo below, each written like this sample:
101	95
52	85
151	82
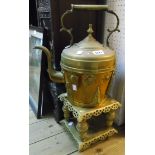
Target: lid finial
90	29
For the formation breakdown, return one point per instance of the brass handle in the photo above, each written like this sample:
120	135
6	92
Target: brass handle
115	29
88	8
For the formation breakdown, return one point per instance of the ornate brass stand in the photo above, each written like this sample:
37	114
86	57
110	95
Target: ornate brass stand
77	121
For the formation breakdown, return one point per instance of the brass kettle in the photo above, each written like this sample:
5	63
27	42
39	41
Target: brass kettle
87	66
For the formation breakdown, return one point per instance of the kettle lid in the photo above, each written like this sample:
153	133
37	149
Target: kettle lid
88	54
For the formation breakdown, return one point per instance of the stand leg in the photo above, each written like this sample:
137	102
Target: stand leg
82	128
66	112
110	118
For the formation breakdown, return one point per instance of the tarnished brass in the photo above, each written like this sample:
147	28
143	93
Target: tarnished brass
87	66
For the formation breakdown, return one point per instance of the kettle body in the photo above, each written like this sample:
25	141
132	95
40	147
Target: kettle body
87	66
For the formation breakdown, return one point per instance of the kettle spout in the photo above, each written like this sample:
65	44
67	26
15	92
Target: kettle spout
55	76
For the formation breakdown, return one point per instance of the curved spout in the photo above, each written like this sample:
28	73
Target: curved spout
55	76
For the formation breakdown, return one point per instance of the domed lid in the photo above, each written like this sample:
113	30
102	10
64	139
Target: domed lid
88	55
